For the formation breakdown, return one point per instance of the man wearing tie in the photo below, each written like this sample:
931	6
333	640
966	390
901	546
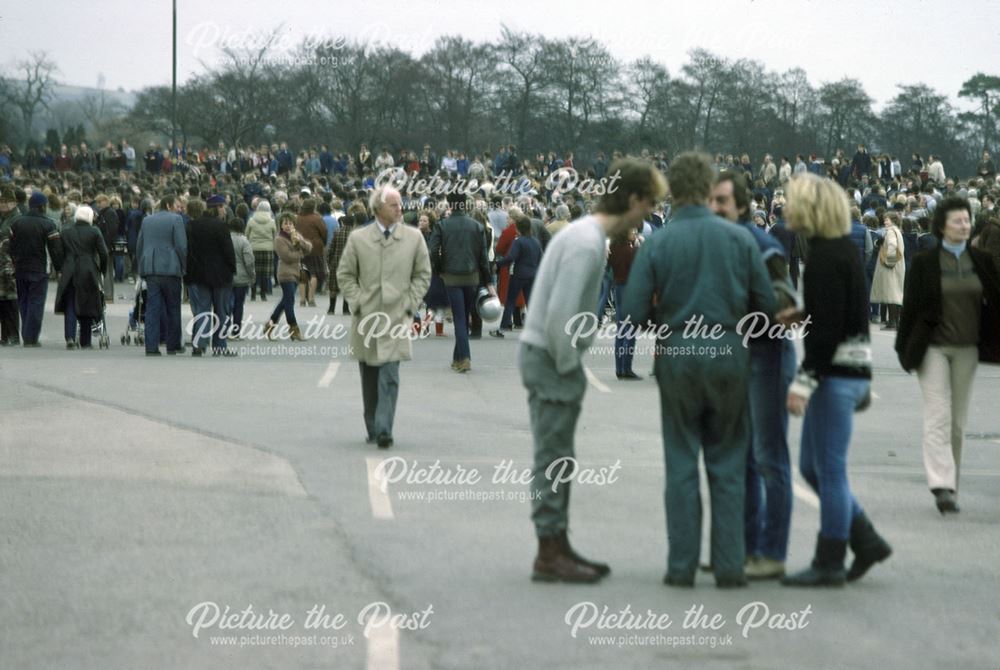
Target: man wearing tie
383	273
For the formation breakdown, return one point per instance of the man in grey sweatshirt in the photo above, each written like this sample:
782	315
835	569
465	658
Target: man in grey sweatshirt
566	288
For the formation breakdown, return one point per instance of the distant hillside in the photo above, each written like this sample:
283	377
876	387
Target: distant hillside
70	93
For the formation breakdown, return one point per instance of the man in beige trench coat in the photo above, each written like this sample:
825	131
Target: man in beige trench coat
384	273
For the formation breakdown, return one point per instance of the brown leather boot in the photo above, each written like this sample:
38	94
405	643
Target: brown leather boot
602	569
269	330
552	564
296	334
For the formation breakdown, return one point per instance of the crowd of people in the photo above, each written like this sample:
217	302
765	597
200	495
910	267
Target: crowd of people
870	242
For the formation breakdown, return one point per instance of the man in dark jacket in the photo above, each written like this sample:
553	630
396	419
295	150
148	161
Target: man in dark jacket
161	253
10	327
986	169
861	164
458	254
211	264
107	223
30	236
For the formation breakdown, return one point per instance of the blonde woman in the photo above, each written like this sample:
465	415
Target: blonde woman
890	270
833	380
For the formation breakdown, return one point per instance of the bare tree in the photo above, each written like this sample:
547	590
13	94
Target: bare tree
523	59
31	89
100	109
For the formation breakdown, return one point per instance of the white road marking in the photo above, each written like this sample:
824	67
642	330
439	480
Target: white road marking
875	396
805	494
380	502
594	381
327	378
383	648
88	371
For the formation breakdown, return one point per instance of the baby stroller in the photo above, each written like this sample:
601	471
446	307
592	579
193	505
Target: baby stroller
136	331
100	327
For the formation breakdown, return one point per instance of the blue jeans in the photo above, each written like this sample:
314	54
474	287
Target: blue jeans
32	288
462	299
624	341
603	300
769	516
514	289
826	435
70	319
236	308
207	329
163	307
286	304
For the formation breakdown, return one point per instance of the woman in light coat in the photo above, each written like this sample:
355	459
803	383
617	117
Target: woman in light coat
244	277
890	270
261	231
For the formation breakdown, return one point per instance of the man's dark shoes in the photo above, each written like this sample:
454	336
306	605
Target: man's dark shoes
553	564
868	546
197	351
602	569
628	376
730	582
684	582
153	353
384	441
827	567
945	501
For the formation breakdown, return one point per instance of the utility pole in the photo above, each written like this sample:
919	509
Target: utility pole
173	95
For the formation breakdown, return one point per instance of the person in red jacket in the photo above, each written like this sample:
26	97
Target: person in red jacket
504	244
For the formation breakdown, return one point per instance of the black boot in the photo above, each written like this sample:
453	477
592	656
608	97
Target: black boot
554	565
601	569
945	501
868	546
827	567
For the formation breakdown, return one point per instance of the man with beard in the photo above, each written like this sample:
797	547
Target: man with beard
772	368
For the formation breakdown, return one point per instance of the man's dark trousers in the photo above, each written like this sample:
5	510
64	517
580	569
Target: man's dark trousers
703	403
31	290
163	300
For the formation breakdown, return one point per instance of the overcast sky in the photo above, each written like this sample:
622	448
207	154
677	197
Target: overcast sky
881	42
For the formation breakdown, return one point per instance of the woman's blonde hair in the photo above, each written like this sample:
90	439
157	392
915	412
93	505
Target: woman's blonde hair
817	207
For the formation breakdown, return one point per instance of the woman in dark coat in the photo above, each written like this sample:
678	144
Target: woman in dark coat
437	297
950	323
79	293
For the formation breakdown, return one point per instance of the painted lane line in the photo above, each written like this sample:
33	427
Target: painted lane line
383	648
594	381
380	501
327	378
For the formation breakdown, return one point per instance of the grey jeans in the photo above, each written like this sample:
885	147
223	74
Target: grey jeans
379	391
554	402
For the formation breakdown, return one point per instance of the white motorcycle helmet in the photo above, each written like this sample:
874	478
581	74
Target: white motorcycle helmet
489	306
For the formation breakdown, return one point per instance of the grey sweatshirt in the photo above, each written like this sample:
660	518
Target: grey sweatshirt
568	283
